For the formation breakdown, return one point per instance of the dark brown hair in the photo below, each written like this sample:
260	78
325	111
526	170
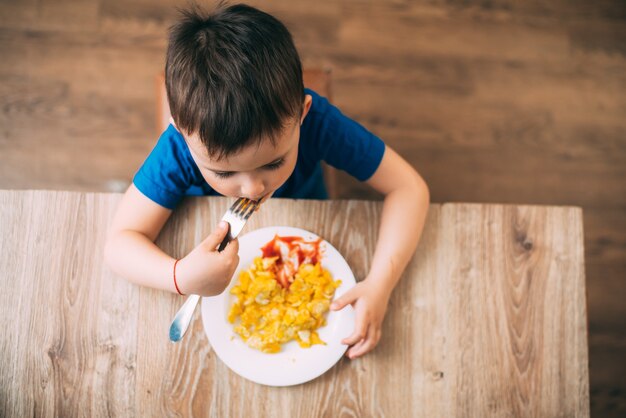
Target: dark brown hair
233	76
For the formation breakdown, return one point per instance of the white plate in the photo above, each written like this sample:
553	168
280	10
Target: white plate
292	365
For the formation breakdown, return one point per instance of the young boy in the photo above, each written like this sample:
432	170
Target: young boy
244	126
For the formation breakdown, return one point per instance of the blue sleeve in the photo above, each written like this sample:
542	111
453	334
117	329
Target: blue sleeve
168	172
342	142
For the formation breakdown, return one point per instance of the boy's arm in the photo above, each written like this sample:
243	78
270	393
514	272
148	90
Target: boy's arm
130	251
404	212
406	204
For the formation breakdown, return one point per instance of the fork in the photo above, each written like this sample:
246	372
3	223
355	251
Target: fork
236	216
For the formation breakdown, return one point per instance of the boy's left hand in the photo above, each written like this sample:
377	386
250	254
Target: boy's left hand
370	305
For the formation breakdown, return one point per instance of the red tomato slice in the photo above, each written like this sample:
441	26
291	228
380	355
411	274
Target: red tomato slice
291	253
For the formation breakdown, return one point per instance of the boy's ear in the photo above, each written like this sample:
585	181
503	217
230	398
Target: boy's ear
308	99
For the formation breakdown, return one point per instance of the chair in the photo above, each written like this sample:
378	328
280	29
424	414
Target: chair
316	79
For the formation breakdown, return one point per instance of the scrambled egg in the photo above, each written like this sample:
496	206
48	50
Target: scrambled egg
269	314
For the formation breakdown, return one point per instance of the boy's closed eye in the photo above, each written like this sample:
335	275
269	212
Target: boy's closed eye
271	166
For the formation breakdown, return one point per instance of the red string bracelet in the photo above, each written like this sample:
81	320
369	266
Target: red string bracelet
176	284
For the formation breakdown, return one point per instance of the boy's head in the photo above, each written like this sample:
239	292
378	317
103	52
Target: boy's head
233	77
234	85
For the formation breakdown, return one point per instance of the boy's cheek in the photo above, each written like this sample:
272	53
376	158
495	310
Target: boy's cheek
286	172
223	187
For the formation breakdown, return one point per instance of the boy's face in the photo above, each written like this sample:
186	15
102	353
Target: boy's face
257	170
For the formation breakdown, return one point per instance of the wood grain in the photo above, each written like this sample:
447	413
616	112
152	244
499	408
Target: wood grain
519	263
489	318
70	342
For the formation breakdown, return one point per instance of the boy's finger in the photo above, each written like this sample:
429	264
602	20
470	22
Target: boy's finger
360	330
358	350
217	235
346	299
366	345
353	351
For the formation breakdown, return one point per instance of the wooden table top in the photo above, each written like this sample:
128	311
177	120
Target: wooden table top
489	318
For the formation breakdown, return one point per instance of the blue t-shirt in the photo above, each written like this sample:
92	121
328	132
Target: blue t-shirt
169	173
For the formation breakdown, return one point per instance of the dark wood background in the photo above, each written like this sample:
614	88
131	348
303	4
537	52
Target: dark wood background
491	100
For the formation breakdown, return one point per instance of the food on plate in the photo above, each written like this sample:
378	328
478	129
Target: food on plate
283	296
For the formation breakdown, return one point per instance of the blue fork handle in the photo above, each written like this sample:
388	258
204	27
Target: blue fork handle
183	318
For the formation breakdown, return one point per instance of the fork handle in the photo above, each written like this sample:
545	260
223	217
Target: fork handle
183	317
225	241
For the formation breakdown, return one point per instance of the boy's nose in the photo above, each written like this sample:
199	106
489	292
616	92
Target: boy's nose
253	189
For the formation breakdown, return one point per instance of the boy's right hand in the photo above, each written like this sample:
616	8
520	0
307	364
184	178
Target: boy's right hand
205	271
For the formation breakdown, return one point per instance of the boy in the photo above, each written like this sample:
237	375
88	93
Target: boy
246	127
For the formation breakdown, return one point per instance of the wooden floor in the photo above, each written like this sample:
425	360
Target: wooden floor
492	101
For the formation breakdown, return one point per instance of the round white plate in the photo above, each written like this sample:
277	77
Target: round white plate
292	365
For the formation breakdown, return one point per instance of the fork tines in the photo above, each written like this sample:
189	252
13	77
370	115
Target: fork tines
244	208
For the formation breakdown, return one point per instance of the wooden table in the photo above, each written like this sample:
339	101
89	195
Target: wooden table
488	320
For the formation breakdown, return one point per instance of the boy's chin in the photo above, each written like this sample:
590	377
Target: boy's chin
264	198
260	200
